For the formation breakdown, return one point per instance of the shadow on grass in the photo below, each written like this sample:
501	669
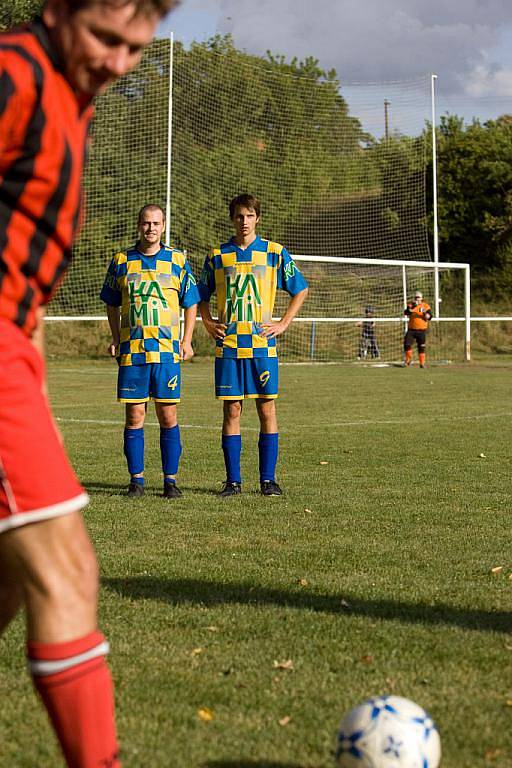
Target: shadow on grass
111	489
209	593
94	488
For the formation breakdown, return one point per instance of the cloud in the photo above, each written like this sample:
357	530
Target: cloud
379	40
486	81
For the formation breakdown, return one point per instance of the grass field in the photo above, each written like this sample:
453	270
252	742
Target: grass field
242	629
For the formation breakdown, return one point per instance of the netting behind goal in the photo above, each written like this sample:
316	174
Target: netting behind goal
127	166
355	311
340	169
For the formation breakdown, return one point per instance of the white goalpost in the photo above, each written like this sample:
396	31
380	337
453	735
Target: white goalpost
344	289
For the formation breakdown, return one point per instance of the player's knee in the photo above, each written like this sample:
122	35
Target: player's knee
70	582
233	409
135	415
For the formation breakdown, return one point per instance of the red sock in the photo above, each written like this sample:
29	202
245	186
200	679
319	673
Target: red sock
74	683
421	358
408	356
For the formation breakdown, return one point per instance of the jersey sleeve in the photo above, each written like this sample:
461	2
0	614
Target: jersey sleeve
207	280
289	276
189	295
110	292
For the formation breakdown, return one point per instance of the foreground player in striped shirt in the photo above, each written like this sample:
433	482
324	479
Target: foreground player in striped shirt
245	274
49	73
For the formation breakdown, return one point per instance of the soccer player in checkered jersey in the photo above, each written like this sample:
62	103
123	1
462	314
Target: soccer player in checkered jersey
419	314
244	274
144	289
49	73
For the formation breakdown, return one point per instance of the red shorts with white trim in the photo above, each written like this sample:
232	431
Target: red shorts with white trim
36	478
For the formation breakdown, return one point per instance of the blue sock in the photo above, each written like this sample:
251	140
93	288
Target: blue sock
133	440
232	448
170	449
138	480
268	447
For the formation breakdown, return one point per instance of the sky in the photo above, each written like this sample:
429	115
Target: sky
467	43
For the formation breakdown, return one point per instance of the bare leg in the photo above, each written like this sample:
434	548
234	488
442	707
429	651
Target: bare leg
267	415
54	566
232	410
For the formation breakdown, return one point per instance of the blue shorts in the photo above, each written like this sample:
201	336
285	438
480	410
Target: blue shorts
139	383
247	378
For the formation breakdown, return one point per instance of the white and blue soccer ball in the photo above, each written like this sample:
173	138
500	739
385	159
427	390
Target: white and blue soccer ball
388	732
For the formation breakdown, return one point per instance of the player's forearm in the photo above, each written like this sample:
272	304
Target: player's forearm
189	322
114	322
204	309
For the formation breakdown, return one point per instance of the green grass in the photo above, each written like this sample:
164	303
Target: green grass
372	574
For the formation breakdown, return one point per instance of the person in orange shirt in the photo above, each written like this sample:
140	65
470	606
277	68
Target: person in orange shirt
419	314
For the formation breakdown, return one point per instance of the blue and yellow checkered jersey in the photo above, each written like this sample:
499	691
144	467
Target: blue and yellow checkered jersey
245	282
150	291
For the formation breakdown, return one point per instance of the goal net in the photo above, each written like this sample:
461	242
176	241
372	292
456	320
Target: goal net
355	310
340	170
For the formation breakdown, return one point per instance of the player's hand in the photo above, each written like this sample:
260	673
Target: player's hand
215	329
271	330
186	351
112	349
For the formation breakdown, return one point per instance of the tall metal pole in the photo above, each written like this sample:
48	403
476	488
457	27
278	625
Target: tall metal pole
169	148
434	182
386	118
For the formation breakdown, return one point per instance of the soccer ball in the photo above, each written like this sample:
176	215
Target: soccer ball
388	732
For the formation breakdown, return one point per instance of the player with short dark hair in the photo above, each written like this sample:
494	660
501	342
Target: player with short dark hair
245	274
144	289
419	314
49	72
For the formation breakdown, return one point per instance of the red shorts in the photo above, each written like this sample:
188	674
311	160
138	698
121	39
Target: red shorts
36	478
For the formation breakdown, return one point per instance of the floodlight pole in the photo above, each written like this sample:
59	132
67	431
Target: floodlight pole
169	148
433	79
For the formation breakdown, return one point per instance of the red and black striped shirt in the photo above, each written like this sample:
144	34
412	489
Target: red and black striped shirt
43	135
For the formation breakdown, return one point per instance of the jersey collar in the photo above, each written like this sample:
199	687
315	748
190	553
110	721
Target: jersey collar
246	253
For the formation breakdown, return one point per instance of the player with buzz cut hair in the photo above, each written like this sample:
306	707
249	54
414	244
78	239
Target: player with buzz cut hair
144	289
419	314
49	72
245	274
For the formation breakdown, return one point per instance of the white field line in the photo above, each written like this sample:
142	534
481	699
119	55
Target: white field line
317	425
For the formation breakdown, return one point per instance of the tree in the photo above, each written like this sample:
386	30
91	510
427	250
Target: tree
475	198
18	11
